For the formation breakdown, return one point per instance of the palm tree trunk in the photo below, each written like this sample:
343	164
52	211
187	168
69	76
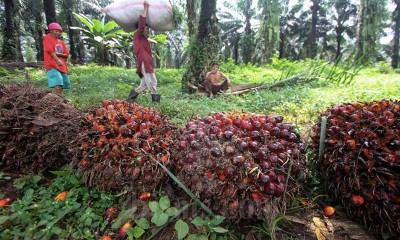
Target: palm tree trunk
50	11
203	49
311	48
10	42
396	16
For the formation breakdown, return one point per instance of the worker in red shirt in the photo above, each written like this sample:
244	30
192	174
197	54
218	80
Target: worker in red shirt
144	60
55	59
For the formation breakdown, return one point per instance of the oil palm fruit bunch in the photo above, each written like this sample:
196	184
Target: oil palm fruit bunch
36	127
120	147
237	163
361	161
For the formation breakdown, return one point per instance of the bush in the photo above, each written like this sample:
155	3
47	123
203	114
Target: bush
384	68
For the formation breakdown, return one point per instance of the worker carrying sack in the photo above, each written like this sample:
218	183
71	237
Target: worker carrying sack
126	13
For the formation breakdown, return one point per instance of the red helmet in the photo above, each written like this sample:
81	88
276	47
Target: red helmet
54	26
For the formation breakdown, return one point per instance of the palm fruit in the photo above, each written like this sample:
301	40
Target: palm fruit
36	128
361	161
120	148
236	163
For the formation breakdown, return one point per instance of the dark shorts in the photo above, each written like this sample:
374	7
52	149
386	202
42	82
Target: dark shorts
214	89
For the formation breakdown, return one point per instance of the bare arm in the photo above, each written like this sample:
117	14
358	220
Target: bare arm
63	55
59	62
146	8
207	76
224	77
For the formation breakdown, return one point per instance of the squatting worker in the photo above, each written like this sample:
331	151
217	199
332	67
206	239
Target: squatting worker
144	60
212	83
55	59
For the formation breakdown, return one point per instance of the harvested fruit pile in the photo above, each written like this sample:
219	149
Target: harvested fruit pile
237	163
118	150
361	161
36	127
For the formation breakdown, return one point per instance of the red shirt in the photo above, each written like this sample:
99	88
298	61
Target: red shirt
142	49
54	45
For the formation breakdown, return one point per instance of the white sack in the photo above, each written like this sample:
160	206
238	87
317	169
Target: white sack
126	13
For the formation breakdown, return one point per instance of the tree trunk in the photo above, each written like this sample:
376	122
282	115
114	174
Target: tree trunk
247	43
370	25
203	48
10	34
69	5
50	11
39	37
396	16
311	44
191	13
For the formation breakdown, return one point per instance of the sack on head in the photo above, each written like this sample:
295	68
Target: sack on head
126	13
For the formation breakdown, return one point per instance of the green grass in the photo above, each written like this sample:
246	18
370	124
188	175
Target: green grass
300	104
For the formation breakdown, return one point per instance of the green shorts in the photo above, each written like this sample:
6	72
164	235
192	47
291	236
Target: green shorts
57	78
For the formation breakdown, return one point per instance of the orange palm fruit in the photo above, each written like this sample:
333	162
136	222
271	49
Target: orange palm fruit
61	196
329	211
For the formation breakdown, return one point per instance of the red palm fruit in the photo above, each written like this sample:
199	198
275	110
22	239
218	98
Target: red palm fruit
239	160
83	163
254	145
256	124
270	188
105	238
237	121
209	119
6	201
256	196
145	196
264	178
279	189
246	125
122	231
233	204
357	200
351	144
111	213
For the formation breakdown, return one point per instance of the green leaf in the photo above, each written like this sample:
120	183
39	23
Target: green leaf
97	25
164	203
88	221
4	219
159	218
154	206
138	232
56	230
181	228
217	220
120	220
36	179
172	211
220	229
198	221
197	237
143	223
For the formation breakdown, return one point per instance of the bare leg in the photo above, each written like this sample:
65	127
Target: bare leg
58	90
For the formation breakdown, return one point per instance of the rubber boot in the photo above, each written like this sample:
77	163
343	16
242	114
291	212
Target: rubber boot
155	97
132	96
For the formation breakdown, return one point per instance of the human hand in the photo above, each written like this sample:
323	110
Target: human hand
146	4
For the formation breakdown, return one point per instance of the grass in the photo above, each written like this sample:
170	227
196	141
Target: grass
300	104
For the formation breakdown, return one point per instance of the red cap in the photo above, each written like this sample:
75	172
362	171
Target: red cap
54	26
